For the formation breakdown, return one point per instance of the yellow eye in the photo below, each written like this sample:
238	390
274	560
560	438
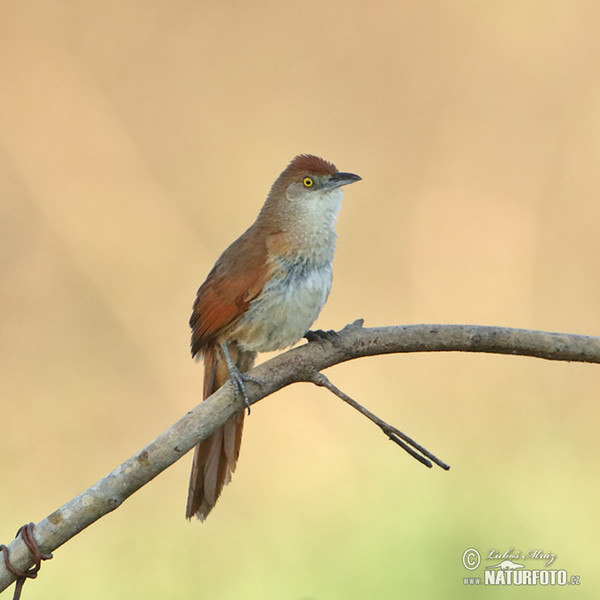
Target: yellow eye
308	182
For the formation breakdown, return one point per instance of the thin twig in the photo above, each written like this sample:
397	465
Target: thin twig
398	437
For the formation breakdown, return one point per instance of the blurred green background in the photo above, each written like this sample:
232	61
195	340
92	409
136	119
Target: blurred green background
138	139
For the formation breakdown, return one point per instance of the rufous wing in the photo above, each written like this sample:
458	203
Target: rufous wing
236	279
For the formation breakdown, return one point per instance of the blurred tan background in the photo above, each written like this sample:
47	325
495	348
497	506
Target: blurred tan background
138	139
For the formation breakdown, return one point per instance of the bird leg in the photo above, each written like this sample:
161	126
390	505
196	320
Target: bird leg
238	378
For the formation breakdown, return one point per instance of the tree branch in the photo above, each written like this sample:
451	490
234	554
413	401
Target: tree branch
298	364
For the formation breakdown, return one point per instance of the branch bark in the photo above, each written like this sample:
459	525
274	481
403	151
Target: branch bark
298	364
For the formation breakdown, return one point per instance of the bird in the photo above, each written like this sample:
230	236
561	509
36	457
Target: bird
263	294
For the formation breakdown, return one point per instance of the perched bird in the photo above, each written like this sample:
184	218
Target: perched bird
263	294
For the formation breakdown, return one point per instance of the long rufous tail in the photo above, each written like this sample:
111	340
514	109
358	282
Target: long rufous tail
215	457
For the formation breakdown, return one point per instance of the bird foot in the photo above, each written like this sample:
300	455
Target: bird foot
319	335
239	380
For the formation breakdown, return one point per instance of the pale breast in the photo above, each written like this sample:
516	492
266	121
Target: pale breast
286	308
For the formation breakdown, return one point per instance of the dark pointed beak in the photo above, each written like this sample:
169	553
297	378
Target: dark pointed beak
340	179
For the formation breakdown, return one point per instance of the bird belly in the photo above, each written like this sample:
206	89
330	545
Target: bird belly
286	308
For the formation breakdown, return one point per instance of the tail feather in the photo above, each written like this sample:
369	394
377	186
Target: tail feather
215	458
